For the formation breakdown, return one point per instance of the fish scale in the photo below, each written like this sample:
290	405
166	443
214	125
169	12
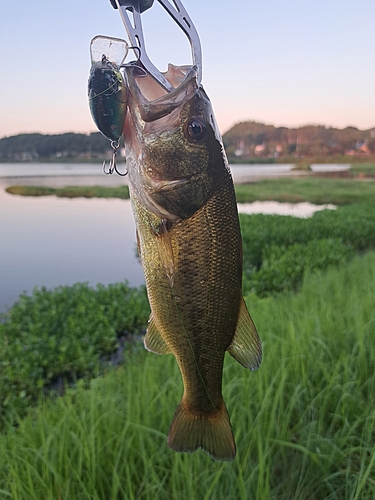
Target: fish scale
198	314
190	246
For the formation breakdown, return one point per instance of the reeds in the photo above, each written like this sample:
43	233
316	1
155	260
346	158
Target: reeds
304	422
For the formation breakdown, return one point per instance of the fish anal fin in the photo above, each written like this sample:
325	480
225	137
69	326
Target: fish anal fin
153	340
246	347
210	432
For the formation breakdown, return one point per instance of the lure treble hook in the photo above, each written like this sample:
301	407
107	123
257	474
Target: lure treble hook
112	167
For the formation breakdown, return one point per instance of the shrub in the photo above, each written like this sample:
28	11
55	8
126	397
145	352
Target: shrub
283	267
279	249
63	332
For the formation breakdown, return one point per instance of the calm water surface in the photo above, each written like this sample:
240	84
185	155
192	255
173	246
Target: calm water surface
241	172
78	172
49	241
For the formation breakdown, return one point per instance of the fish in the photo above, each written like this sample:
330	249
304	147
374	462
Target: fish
190	248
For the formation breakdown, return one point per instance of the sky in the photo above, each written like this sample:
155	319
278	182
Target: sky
280	62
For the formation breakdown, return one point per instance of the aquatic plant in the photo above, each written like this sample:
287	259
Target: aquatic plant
278	250
61	334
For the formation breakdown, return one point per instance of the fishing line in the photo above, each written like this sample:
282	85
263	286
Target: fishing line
118	78
103	92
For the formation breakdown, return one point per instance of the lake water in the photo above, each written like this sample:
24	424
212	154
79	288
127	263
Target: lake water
79	172
302	210
49	241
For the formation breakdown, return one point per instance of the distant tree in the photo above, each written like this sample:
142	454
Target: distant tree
47	146
309	140
240	141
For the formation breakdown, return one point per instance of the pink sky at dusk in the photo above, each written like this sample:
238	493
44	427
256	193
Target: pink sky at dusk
284	63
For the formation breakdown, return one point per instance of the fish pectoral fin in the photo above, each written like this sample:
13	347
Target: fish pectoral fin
246	347
164	245
153	340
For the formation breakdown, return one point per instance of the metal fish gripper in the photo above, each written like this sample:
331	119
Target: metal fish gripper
134	9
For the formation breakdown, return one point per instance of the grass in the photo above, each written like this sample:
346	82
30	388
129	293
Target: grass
71	191
291	190
367	169
304	423
312	189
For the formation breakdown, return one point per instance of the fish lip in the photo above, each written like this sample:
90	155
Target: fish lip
164	105
157	186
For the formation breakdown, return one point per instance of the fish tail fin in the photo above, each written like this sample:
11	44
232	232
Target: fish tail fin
211	432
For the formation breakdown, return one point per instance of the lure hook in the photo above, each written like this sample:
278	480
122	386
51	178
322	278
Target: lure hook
112	167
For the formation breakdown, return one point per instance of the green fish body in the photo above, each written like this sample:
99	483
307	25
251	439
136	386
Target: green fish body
190	246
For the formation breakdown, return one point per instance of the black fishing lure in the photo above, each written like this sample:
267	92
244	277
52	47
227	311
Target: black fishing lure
107	98
107	91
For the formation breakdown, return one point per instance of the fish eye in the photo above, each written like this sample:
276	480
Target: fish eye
196	128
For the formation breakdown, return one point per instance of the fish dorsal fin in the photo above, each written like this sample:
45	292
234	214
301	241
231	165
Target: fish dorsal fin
153	341
246	347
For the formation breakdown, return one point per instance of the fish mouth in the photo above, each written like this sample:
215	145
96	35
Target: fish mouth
152	101
158	186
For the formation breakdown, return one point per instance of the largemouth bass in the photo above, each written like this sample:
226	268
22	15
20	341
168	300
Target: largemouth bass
189	242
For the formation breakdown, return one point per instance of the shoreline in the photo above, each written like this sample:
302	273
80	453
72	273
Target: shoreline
51	175
100	179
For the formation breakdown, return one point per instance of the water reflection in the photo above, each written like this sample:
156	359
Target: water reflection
49	241
303	209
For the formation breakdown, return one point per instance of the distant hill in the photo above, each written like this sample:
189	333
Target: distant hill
245	142
69	146
251	140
